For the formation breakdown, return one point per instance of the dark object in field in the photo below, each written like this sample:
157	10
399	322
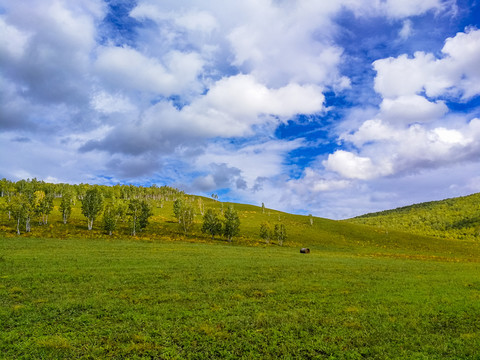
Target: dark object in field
304	251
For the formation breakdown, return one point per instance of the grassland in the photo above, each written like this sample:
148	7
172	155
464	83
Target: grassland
363	292
85	298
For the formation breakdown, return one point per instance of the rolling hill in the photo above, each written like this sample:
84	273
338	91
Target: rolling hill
417	230
455	218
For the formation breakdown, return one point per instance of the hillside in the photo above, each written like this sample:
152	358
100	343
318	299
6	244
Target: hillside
302	231
456	218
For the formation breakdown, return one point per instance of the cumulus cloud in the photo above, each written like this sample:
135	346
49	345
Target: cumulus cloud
220	176
457	73
230	109
352	166
255	162
391	150
408	109
410	131
127	68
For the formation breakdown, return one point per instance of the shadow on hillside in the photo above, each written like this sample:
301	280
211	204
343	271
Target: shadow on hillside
465	223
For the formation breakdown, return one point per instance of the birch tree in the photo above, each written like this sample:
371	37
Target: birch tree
231	223
92	205
211	223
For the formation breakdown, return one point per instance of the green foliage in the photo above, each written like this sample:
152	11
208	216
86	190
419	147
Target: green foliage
186	217
231	225
457	218
111	214
280	233
20	208
145	214
265	231
177	208
42	205
212	225
92	205
139	212
66	206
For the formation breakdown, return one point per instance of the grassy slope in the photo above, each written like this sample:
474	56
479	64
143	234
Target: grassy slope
456	218
324	234
363	292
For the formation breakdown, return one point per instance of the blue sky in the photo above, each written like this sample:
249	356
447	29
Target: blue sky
332	108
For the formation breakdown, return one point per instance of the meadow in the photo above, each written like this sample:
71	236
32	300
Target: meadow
134	299
363	292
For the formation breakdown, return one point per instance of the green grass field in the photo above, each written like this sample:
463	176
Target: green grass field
133	299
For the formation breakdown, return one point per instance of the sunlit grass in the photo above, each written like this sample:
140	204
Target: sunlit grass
84	298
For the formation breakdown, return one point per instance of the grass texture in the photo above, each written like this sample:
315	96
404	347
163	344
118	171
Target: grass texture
380	296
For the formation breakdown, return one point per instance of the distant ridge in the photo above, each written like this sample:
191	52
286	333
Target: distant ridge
454	218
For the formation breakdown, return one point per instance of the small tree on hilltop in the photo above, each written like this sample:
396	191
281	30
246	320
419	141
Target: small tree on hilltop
231	223
211	223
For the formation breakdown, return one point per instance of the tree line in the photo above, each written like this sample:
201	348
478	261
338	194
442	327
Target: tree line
27	200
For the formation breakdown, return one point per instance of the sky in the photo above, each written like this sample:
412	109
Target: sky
332	108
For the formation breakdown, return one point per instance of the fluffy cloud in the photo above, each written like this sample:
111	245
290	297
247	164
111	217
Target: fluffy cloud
411	132
254	162
352	166
456	73
230	109
126	68
408	109
391	150
236	103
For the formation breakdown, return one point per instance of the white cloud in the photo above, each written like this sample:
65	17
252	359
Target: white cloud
263	160
457	72
406	30
14	41
386	149
200	20
281	43
405	8
312	181
352	166
407	109
128	69
108	103
236	103
371	130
